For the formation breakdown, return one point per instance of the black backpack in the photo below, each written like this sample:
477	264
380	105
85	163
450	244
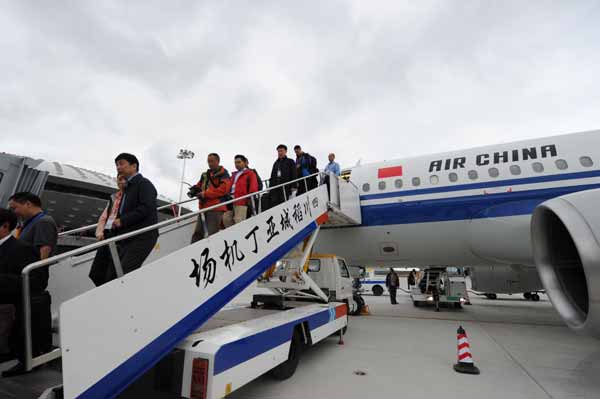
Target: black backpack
312	164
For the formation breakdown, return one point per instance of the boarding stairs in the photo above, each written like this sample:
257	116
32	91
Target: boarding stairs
112	334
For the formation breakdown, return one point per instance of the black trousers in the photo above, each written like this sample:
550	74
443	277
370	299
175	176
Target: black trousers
103	268
311	183
134	251
277	197
41	327
393	291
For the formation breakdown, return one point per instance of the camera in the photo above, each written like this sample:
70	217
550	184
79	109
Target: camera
193	191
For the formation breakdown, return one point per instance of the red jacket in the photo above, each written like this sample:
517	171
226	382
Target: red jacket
247	183
215	186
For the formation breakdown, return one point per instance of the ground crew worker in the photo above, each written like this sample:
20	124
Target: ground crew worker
411	278
392	282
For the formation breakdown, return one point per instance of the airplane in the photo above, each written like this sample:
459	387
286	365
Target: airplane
527	204
510	211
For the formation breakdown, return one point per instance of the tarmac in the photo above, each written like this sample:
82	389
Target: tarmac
522	348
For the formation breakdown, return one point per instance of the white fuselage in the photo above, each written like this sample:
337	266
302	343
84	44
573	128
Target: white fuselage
470	207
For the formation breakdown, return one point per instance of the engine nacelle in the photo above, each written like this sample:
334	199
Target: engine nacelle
565	234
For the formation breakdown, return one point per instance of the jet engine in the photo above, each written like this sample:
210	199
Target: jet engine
565	233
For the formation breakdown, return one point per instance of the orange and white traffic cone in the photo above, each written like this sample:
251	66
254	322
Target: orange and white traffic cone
465	362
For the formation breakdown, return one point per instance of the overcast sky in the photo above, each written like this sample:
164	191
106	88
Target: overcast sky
82	81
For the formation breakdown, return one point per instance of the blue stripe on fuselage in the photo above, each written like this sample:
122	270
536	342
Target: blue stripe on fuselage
463	208
489	184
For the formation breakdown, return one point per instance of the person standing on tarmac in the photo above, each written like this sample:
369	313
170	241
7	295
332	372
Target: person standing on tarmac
306	165
412	278
212	189
392	282
243	181
284	170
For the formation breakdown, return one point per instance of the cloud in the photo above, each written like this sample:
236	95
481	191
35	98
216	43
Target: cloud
82	81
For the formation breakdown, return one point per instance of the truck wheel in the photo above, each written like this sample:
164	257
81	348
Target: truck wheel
416	304
527	295
377	290
287	369
535	297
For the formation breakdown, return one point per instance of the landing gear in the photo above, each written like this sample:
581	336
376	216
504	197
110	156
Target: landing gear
531	296
491	296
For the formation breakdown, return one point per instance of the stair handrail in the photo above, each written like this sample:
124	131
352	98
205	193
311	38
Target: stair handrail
111	242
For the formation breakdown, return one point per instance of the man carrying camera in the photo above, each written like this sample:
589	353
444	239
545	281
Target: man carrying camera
211	190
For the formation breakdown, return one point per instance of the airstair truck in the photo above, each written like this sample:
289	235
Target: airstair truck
164	320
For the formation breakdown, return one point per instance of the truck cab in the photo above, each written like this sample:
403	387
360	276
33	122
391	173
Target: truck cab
322	278
332	275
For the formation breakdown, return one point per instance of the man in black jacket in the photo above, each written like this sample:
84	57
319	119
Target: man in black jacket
137	210
284	170
392	282
14	256
306	165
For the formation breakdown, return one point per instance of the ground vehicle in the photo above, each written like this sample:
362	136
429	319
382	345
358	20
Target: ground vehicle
323	277
437	286
374	281
238	345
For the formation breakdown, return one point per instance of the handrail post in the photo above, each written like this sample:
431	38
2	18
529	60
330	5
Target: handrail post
305	185
27	321
115	258
253	205
204	226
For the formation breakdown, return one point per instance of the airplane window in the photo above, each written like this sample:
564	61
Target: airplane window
538	167
473	174
416	181
515	169
398	183
561	164
586	161
434	179
453	177
366	187
381	185
494	172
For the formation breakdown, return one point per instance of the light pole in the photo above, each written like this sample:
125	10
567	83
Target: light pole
185	155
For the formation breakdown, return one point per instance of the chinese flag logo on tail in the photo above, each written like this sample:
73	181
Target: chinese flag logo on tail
392	171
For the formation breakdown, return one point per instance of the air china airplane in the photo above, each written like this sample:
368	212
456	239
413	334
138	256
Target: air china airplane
525	205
